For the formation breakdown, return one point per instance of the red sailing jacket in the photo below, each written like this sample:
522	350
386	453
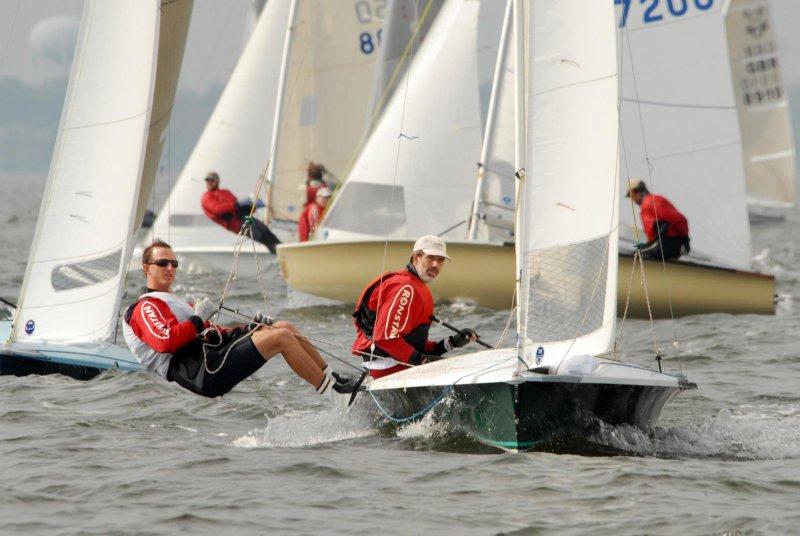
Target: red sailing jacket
402	318
155	324
221	206
309	220
653	205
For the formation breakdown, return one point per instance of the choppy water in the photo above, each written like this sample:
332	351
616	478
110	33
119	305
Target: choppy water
129	454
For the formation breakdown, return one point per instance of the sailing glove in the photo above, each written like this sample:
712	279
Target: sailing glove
260	319
205	309
463	338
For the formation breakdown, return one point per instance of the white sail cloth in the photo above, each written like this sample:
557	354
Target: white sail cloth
414	174
767	141
568	238
70	291
235	142
680	131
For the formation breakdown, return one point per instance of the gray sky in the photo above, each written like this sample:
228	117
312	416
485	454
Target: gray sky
33	31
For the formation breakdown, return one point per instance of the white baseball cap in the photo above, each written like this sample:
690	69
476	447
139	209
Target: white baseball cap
324	192
431	245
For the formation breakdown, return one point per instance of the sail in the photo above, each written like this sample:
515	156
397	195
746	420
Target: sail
568	236
73	279
236	140
325	95
493	217
416	171
680	130
175	18
404	19
761	100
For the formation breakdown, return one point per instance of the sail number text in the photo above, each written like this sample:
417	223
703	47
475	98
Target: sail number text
659	10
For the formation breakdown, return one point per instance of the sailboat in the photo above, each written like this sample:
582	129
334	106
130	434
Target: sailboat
297	94
112	129
555	380
717	277
763	108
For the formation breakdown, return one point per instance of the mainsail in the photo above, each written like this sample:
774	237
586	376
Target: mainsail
409	180
327	84
236	140
680	130
761	100
103	162
567	239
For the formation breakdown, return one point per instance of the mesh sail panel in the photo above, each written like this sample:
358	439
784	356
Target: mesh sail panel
85	273
369	208
567	286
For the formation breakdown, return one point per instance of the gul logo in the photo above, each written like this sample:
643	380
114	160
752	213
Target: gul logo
398	316
539	355
154	321
30	325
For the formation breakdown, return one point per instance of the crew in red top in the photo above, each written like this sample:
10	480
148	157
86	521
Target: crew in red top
174	339
666	228
312	214
394	312
314	181
221	206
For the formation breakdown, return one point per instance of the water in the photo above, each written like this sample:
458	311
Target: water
130	454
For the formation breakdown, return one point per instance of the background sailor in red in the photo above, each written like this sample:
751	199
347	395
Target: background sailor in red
312	214
393	314
666	228
221	206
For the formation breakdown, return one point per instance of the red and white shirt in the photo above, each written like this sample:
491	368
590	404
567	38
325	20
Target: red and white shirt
156	327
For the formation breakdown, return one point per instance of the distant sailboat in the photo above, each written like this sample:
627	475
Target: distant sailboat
763	106
298	93
430	198
116	110
554	381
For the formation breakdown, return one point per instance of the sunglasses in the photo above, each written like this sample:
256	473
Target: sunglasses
163	263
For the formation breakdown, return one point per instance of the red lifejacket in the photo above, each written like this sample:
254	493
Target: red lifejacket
658	208
394	313
221	206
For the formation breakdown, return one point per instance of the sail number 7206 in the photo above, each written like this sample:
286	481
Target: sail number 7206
659	10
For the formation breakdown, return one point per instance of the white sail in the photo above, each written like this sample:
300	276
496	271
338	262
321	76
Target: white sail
493	207
236	140
415	173
404	19
680	131
768	145
73	280
568	237
326	91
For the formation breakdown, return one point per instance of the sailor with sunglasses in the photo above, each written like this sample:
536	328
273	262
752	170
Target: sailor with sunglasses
174	339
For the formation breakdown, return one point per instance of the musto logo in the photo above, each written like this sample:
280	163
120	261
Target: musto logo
30	325
398	313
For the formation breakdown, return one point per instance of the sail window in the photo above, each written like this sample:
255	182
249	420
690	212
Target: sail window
190	220
369	208
567	290
85	273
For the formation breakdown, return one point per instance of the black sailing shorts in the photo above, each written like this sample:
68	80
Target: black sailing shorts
213	370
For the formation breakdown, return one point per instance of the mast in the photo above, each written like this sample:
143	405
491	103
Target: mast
519	153
472	231
279	104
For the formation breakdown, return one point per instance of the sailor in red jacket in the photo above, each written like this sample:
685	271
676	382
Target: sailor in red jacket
393	314
667	229
174	339
221	206
312	214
